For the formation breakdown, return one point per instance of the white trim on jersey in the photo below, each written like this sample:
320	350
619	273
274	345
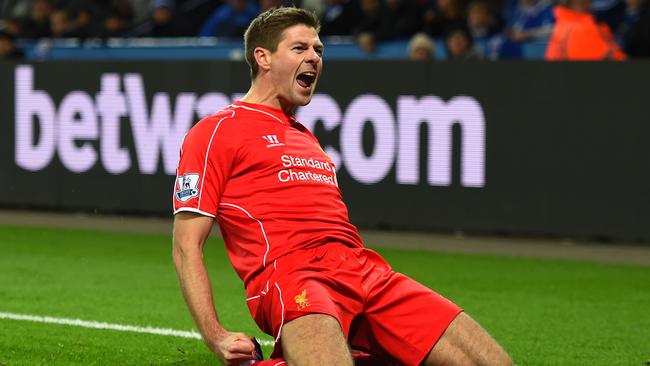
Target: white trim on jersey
282	321
266	240
207	153
257	110
195	210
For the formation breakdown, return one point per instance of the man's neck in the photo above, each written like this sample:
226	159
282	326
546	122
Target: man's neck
268	96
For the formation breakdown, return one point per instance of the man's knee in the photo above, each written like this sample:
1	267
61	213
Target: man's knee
315	339
465	342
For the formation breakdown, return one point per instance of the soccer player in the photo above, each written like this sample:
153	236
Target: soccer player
310	282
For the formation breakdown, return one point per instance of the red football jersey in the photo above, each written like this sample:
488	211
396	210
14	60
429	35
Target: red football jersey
266	180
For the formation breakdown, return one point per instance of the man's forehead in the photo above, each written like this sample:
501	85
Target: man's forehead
301	33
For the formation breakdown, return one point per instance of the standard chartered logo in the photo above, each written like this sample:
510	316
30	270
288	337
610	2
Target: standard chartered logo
86	130
326	174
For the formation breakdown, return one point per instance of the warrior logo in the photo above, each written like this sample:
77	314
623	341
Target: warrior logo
186	187
272	141
301	300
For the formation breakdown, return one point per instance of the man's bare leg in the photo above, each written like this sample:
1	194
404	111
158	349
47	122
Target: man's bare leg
315	339
465	342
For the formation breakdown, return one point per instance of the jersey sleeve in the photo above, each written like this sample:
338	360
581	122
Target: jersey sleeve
206	159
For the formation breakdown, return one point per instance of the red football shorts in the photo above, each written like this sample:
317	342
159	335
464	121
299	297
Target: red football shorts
380	311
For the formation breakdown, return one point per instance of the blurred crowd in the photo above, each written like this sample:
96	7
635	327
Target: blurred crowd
464	29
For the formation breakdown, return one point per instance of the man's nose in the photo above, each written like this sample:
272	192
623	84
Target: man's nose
313	56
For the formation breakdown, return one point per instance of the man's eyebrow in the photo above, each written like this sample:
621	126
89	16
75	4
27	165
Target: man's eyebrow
318	46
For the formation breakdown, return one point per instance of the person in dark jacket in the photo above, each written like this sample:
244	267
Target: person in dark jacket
8	50
637	39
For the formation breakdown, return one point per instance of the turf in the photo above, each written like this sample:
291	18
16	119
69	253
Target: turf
544	312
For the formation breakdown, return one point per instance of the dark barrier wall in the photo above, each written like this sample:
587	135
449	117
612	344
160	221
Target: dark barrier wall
541	148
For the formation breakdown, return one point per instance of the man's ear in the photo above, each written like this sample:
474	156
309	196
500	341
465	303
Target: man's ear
263	58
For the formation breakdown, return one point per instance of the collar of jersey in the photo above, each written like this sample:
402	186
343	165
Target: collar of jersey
275	112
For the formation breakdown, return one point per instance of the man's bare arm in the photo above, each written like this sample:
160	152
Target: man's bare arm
190	234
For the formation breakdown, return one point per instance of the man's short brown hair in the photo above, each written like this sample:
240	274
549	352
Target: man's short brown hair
266	30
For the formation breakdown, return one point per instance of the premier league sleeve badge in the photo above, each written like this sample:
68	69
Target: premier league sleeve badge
186	187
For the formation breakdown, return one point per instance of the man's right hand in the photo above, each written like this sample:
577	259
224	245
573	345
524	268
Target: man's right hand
190	233
233	348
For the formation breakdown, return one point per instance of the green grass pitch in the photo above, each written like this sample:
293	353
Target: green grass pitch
544	312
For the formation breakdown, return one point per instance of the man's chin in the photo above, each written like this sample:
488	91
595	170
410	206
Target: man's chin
303	100
306	101
299	99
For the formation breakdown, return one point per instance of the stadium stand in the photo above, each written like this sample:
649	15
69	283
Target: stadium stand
352	29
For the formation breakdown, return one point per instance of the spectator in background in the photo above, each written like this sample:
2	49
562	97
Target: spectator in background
577	36
141	10
60	26
15	8
483	25
371	16
119	19
531	20
446	16
115	25
631	17
401	19
100	18
37	24
369	25
83	15
196	12
459	46
12	26
339	17
165	22
421	48
611	12
637	38
366	41
394	19
8	50
230	19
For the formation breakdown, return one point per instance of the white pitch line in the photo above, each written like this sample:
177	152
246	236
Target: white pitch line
118	327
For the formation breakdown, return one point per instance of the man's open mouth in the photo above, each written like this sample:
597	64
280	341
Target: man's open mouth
306	79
